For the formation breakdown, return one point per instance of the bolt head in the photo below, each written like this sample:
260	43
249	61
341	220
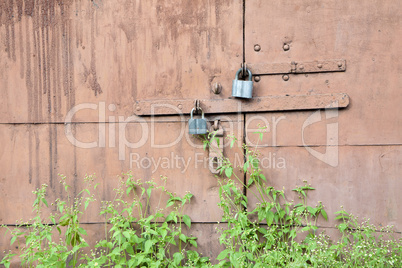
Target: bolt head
257	47
138	108
216	88
285	77
340	64
180	106
301	67
257	78
319	65
286	47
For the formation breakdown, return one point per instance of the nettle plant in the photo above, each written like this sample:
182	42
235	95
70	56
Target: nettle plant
275	232
267	232
134	237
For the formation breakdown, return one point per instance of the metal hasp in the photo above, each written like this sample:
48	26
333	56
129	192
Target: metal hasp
259	104
215	148
242	89
197	126
294	67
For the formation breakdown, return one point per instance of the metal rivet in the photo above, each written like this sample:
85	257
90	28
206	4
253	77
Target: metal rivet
257	47
216	88
286	47
301	67
285	77
257	78
138	108
319	65
180	106
339	64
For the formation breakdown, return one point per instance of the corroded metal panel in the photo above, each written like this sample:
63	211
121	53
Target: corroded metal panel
366	181
352	156
34	154
367	35
59	54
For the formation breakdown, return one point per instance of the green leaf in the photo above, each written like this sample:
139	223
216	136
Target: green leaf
183	238
312	210
13	240
270	217
193	243
177	257
45	202
163	232
263	177
149	190
223	254
82	231
64	222
232	142
205	145
148	245
342	227
187	220
228	172
246	165
324	214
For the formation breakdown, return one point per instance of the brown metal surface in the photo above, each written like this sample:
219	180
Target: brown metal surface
147	153
368	140
260	104
298	67
366	182
59	54
100	57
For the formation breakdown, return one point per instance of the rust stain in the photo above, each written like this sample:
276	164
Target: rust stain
45	50
93	80
45	45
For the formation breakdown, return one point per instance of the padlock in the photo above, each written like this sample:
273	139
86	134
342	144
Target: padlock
197	125
242	89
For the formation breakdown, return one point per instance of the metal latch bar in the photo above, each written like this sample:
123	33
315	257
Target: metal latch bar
257	104
216	148
298	67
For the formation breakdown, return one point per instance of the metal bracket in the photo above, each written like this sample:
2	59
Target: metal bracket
321	66
216	148
258	104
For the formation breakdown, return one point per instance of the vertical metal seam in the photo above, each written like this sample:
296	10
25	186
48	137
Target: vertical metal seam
244	32
245	159
244	114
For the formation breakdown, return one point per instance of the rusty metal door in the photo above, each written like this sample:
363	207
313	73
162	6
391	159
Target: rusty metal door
352	156
70	75
73	74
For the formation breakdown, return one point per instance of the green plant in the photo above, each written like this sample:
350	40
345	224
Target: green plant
145	226
40	249
156	239
277	233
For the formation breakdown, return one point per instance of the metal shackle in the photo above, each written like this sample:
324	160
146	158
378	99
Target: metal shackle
250	75
192	111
